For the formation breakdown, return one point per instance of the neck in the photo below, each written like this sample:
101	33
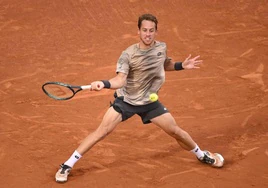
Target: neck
143	46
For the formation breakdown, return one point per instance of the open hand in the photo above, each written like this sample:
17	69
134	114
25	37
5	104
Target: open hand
192	63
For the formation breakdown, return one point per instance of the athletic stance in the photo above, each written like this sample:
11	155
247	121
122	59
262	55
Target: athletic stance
140	72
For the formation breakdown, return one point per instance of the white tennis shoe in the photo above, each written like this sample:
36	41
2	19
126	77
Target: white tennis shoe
213	159
62	174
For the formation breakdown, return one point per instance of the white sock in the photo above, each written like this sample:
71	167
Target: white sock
73	159
198	152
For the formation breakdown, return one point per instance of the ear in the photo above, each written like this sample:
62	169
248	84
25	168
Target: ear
138	32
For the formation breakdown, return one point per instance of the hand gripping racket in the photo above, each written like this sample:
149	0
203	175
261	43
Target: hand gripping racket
62	91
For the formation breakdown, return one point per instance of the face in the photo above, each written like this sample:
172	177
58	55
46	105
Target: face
147	33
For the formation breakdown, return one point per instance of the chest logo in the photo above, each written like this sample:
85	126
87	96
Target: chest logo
159	53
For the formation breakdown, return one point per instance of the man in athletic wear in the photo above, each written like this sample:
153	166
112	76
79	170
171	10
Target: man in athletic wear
140	72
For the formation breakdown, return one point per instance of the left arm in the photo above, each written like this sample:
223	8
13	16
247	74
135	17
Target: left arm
188	63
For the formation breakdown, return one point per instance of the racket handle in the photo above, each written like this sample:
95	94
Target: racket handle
86	87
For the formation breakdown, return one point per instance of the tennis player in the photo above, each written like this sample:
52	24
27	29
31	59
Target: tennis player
140	72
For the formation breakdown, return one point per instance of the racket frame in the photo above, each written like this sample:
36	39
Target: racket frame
70	87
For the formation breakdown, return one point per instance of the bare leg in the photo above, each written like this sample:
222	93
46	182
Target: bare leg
110	120
168	124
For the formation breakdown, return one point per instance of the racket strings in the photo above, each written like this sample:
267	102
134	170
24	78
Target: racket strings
58	91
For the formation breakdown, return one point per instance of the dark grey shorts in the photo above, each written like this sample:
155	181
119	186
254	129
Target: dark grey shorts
146	112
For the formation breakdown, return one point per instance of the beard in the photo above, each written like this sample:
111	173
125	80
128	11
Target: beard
147	41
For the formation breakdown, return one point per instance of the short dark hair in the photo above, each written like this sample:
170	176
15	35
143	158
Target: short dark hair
149	17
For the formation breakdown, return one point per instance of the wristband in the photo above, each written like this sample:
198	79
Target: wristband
178	66
106	83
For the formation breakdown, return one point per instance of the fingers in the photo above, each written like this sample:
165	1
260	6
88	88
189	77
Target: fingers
198	62
194	59
188	57
97	85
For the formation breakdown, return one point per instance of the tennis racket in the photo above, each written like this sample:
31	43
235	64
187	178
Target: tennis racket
62	91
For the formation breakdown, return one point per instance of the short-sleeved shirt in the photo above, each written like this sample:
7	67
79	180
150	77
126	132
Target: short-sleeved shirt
145	72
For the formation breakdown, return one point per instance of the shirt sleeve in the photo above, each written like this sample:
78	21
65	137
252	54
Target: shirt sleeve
123	63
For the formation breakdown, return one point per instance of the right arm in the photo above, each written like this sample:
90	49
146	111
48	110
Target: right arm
116	82
119	80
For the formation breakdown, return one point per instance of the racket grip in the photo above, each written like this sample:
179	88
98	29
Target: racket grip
86	87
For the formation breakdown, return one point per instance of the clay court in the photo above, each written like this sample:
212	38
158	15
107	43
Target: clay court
223	105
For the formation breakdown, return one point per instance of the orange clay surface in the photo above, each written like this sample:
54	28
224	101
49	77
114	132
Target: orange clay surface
223	105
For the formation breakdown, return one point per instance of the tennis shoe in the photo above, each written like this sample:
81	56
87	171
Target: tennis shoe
213	159
62	174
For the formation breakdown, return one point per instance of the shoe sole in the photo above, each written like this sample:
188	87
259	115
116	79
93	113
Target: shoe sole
219	160
61	181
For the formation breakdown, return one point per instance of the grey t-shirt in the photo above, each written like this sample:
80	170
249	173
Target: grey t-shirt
145	72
